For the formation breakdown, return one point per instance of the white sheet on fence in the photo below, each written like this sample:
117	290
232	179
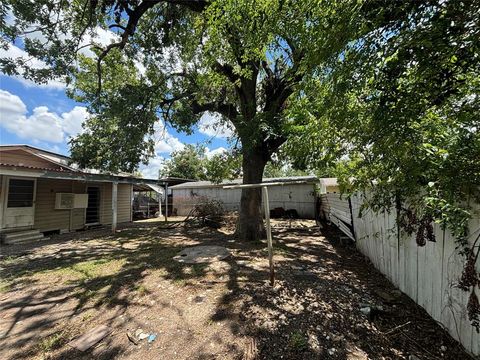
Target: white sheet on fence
427	274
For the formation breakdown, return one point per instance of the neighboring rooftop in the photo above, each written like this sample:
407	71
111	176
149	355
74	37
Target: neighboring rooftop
329	181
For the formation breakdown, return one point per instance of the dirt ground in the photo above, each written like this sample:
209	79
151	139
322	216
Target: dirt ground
328	301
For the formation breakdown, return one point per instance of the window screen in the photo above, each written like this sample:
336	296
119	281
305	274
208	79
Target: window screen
20	193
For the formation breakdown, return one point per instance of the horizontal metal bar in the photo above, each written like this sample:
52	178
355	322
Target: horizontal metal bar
246	186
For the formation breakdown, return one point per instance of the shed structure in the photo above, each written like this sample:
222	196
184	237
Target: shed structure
298	192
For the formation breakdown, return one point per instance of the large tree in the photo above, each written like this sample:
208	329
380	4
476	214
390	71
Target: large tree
244	60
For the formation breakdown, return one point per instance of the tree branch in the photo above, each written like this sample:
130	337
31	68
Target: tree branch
129	30
117	26
227	110
227	70
133	19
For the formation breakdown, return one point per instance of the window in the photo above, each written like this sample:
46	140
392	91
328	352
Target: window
20	193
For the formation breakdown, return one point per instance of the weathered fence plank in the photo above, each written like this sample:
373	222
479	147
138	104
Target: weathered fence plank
427	274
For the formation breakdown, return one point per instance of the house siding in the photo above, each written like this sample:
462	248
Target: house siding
78	215
124	202
2	198
124	208
47	218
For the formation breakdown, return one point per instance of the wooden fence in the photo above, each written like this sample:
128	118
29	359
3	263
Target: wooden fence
427	274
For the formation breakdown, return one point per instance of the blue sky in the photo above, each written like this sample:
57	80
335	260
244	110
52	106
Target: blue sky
43	116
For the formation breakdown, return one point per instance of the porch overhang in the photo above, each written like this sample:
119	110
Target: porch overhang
77	176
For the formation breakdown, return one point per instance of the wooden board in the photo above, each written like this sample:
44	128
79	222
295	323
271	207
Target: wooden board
90	338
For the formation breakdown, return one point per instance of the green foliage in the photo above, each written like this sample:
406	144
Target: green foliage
123	119
243	60
191	162
278	169
224	166
54	341
297	340
400	106
187	163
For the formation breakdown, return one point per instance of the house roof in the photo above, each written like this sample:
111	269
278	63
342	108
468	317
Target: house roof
286	180
172	180
62	167
25	146
31	167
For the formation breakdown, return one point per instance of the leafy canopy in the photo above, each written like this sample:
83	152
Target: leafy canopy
244	60
401	104
400	110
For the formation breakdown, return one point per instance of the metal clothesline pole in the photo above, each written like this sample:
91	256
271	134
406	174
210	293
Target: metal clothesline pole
266	206
269	234
166	201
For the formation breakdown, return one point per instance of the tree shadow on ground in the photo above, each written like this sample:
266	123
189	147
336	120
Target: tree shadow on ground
313	312
139	251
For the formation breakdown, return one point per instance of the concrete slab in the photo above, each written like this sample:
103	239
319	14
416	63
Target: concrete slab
202	254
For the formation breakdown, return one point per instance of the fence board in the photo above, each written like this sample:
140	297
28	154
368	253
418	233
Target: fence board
427	274
434	265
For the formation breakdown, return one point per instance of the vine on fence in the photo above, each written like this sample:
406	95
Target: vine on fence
419	222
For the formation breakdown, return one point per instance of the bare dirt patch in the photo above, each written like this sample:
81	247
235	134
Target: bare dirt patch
54	292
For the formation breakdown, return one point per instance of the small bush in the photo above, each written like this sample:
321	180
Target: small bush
207	212
297	340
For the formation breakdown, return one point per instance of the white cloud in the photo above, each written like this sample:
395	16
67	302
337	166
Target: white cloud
212	124
73	120
150	171
14	52
47	128
165	143
11	106
99	36
210	153
42	124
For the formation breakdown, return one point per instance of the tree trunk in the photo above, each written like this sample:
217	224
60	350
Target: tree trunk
250	225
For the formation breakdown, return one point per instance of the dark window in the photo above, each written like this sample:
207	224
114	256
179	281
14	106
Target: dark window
93	209
20	193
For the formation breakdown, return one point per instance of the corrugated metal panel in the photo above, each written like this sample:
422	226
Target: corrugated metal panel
295	196
336	208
